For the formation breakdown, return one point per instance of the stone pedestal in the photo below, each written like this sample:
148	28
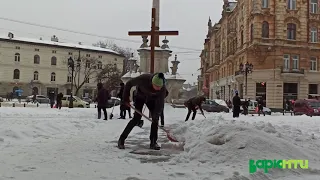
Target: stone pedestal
162	54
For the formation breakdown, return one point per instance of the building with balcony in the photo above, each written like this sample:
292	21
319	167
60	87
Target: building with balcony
40	66
280	39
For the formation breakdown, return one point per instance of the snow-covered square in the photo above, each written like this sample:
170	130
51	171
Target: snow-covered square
43	143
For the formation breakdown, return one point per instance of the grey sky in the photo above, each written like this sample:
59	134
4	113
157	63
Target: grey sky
115	18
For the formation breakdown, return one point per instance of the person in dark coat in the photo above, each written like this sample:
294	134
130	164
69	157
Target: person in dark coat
122	106
51	98
193	104
260	107
162	113
102	100
236	101
151	90
59	100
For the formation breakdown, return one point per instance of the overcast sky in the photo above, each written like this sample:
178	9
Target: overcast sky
114	18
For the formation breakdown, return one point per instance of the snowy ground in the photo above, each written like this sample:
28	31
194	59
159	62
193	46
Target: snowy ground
44	143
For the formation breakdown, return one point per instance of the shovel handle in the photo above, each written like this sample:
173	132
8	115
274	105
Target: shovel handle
136	110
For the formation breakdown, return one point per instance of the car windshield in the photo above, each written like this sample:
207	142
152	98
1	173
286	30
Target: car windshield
314	104
212	103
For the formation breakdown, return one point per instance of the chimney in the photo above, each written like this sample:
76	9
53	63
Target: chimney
54	38
10	35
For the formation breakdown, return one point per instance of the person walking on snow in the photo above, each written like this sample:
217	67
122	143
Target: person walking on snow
102	100
236	101
193	104
59	100
122	106
151	90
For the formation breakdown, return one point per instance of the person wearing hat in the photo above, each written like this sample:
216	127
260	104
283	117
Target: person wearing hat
150	91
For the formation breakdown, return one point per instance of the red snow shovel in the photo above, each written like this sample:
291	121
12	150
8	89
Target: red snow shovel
169	136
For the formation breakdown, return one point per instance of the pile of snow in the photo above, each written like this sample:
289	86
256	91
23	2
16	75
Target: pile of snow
228	145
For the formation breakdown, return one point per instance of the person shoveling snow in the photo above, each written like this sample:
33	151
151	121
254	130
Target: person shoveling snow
151	90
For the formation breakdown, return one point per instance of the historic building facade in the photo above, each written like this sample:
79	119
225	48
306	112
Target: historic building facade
41	66
279	38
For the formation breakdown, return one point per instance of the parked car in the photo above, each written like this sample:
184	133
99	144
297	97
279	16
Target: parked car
88	100
253	104
113	101
1	99
309	107
212	106
39	99
77	102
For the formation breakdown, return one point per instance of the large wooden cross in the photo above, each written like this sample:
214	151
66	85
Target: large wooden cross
154	33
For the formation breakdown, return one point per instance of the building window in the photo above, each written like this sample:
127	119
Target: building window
286	61
36	59
87	80
17	47
36	50
16	74
291	4
313	91
314	6
69	78
17	57
251	32
265	29
265	3
100	56
53	61
314	34
99	65
87	64
70	53
53	76
295	62
36	76
291	31
54	51
241	38
87	55
313	64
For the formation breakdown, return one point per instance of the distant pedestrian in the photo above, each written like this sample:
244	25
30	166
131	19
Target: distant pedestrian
102	100
236	101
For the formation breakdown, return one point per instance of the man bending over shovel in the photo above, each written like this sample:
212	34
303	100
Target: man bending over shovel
150	90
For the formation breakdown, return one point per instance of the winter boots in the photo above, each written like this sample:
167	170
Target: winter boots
121	144
155	146
140	123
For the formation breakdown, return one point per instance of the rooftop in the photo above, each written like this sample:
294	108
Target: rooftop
54	42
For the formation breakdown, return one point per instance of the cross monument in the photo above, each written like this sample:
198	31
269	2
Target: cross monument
154	33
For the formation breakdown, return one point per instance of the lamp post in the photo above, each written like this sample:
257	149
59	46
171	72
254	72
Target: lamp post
246	69
71	67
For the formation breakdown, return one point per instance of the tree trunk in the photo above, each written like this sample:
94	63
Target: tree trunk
77	92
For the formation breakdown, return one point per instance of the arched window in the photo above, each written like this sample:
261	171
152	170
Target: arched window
53	76
314	34
291	31
36	59
265	29
251	32
87	64
17	57
16	74
99	65
53	61
36	76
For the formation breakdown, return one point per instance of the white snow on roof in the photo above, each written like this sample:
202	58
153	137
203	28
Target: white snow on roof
61	44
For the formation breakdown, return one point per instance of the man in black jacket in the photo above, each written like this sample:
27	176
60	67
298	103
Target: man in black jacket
193	104
151	90
236	101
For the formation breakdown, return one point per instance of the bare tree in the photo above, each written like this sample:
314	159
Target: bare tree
110	75
126	52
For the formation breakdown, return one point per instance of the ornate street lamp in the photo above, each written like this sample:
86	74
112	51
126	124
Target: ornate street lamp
71	68
246	69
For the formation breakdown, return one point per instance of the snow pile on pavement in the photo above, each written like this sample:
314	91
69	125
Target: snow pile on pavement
229	145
